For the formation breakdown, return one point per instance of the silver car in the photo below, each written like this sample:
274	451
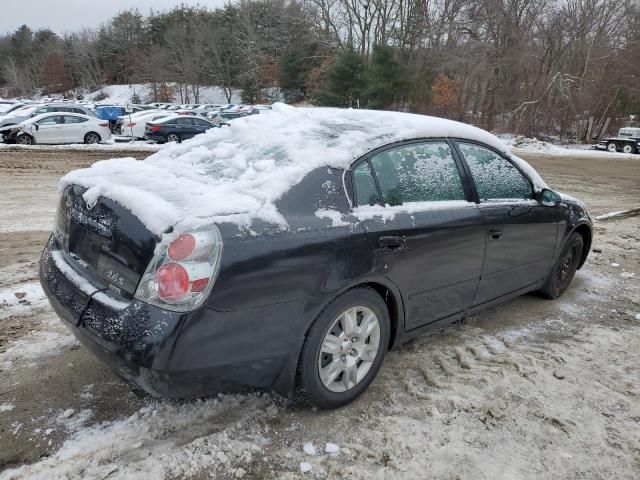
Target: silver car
30	111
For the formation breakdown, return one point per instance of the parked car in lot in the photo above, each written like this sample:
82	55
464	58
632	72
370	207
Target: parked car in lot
177	128
294	250
16	116
7	106
226	116
63	107
30	111
58	128
136	124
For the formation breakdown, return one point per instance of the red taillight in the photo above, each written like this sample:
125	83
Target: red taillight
130	125
183	270
105	125
173	282
154	128
199	285
182	247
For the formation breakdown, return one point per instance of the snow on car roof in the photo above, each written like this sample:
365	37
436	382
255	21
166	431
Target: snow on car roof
236	174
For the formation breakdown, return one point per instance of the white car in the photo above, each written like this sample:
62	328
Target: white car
135	126
54	128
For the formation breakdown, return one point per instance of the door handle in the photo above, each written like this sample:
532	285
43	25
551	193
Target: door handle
496	233
393	242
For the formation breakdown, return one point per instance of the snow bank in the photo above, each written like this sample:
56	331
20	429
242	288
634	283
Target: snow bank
21	299
235	174
161	440
522	144
121	94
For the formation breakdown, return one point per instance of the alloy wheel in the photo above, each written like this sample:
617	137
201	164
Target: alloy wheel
349	349
25	140
172	137
92	138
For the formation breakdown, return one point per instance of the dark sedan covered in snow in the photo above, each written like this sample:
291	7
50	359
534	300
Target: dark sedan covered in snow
293	249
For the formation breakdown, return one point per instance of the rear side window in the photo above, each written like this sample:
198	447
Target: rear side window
185	121
364	186
495	177
418	172
71	119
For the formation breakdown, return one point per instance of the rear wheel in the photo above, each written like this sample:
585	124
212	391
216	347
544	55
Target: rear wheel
173	137
25	139
565	268
92	138
629	148
344	349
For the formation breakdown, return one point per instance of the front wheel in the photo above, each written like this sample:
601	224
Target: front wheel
25	139
565	268
92	138
344	349
612	147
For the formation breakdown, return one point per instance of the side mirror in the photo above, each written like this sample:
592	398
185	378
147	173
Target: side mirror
549	198
37	126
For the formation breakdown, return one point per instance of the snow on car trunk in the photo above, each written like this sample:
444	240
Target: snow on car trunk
236	174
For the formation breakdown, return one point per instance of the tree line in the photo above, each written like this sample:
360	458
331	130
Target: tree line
536	67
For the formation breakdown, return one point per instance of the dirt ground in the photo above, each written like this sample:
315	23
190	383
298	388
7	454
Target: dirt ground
530	389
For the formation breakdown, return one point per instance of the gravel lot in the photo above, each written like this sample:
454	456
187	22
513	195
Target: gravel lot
530	389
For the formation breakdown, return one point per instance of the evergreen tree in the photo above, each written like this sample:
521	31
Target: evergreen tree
384	78
346	81
295	66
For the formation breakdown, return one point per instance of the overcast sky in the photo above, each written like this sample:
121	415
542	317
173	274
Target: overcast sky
71	15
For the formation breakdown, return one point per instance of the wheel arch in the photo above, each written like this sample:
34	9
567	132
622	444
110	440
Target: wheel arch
391	296
95	133
584	229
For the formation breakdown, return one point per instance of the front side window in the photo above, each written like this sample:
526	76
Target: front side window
418	172
50	120
364	185
495	177
201	123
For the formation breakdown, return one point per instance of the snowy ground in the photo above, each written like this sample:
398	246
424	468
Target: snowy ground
523	145
531	389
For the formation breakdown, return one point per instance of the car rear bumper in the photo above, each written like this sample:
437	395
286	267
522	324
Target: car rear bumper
169	354
160	138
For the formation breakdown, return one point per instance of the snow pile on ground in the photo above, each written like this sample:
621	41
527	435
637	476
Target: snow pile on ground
122	94
162	440
25	300
21	299
235	174
525	143
520	143
31	348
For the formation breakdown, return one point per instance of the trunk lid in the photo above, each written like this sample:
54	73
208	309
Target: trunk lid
105	240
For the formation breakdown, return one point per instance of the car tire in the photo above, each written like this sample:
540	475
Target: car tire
25	139
612	146
173	137
565	268
329	380
92	138
628	148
